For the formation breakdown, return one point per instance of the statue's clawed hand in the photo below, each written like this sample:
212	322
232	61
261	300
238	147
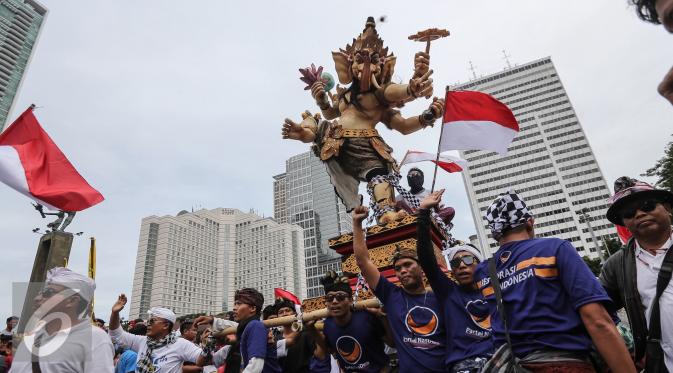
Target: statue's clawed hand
422	86
421	64
318	91
291	130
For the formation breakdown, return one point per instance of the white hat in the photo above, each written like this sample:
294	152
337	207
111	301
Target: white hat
164	313
80	284
467	247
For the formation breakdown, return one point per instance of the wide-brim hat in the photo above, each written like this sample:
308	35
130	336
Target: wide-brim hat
627	190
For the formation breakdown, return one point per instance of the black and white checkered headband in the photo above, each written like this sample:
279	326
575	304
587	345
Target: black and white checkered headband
506	212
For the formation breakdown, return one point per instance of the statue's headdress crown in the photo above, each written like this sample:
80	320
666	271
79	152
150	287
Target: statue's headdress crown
368	39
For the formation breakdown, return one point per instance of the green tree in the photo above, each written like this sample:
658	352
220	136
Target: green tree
663	169
613	245
593	264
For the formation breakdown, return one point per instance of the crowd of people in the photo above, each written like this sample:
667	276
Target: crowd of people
533	306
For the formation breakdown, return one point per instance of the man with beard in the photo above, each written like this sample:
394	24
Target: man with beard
355	338
64	339
659	12
635	277
467	321
159	350
412	311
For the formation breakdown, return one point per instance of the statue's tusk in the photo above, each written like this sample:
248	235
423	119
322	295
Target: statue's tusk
374	82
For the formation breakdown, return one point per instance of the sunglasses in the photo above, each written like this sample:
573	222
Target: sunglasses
340	297
153	321
468	260
647	205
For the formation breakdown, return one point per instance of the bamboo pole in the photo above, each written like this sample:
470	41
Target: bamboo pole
311	316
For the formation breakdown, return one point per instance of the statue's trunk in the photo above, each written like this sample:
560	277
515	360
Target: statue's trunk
366	80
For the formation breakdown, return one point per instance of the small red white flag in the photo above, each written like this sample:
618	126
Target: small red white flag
477	121
446	162
284	294
33	165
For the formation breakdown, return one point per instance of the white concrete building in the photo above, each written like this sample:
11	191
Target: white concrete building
20	26
550	163
303	195
193	262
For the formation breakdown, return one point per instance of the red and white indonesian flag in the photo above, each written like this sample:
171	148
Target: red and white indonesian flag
284	294
477	121
33	165
446	162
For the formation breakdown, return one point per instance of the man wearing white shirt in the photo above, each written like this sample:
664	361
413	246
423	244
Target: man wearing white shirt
160	351
630	276
59	336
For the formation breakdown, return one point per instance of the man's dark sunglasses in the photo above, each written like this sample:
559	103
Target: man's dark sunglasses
340	297
468	260
647	205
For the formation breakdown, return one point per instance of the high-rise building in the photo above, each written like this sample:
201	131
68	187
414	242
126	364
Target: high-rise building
20	25
549	163
308	200
280	198
193	262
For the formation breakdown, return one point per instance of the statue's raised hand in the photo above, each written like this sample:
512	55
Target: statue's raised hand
318	92
291	130
437	107
421	64
421	86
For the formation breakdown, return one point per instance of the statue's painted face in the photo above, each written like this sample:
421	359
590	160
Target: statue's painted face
366	68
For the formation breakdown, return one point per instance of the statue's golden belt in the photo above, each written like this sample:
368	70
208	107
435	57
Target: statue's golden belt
356	133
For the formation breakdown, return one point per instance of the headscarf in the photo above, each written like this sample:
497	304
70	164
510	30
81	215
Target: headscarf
333	282
508	211
466	247
164	313
80	284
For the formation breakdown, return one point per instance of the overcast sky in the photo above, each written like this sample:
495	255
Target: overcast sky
165	105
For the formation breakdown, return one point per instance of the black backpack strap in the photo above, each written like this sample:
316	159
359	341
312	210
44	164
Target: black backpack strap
654	352
495	283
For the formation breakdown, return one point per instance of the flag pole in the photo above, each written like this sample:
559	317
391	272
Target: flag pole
439	144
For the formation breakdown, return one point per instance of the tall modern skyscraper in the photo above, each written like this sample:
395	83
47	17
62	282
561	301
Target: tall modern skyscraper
308	200
193	262
550	163
20	25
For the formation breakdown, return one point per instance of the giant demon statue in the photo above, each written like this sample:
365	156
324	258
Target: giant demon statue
347	140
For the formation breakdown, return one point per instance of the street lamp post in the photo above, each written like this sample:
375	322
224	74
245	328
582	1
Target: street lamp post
584	213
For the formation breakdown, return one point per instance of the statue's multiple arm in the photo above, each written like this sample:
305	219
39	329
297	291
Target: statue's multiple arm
322	100
396	121
305	131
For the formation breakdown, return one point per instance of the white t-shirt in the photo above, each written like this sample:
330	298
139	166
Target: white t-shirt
83	348
167	359
647	267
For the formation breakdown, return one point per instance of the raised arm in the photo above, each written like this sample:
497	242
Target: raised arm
426	257
408	125
322	100
367	267
305	131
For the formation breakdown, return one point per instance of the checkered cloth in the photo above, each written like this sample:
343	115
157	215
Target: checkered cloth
506	212
393	179
361	285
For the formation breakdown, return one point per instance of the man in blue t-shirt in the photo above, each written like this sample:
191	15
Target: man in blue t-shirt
413	313
354	338
127	360
257	354
552	301
468	323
